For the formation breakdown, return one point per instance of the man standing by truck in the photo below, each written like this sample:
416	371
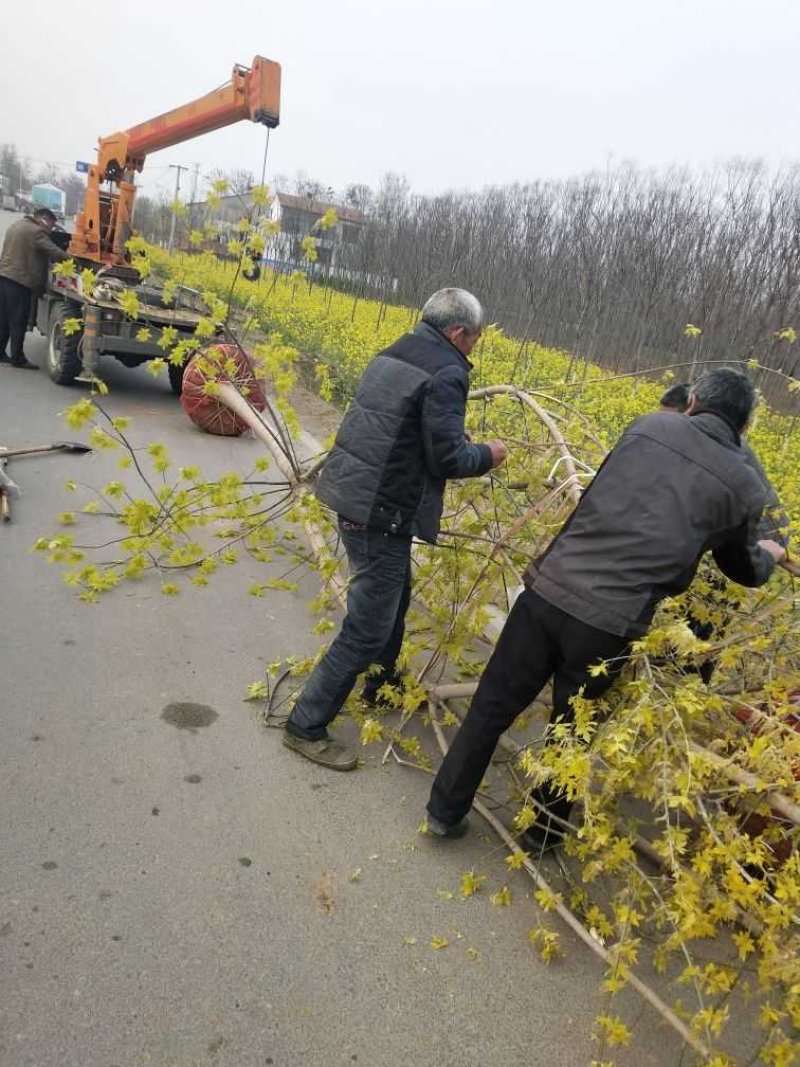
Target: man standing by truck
24	262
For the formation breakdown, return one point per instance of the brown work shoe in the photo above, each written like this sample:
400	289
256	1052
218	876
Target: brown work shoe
327	752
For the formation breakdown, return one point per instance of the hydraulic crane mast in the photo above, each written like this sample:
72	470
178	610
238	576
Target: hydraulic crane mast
103	227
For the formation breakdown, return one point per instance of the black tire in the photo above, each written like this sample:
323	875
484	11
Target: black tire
63	358
176	377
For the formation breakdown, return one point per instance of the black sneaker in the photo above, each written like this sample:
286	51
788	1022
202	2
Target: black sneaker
23	364
371	693
372	700
538	839
442	829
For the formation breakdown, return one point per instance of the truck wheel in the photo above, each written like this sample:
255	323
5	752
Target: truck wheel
176	377
63	359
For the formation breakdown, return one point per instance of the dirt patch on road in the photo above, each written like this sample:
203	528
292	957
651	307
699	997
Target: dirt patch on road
323	893
188	716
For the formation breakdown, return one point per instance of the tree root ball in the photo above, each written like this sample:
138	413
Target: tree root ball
219	363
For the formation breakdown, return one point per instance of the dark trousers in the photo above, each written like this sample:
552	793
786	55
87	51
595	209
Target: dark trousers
372	632
539	641
33	310
15	303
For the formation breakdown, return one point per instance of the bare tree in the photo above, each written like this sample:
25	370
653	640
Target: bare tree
49	172
239	181
75	190
610	267
14	168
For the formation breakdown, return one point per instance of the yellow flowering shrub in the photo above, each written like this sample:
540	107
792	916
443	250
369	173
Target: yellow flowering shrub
700	779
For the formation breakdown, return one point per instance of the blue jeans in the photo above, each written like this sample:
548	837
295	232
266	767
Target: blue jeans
372	632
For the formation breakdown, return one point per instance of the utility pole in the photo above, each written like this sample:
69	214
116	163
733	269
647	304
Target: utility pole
193	194
177	167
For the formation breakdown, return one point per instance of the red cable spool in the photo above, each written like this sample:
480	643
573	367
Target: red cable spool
228	365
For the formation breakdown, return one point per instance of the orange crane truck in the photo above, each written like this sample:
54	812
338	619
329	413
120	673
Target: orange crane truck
104	226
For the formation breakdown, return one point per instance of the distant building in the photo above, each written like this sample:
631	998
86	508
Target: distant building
297	217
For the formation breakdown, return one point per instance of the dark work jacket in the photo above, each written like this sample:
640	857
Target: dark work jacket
774	525
27	254
402	437
672	489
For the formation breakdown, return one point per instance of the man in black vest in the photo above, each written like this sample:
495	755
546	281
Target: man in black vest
673	488
401	438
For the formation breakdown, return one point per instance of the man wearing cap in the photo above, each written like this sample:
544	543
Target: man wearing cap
24	262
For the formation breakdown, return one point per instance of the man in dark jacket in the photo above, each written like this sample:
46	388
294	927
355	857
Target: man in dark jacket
671	490
401	438
774	526
24	262
774	523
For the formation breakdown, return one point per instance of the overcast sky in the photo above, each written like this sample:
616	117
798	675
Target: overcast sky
451	93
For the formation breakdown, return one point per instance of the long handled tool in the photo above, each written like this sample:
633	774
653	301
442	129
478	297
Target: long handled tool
7	486
57	446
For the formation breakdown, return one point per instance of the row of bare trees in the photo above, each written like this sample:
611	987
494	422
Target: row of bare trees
610	267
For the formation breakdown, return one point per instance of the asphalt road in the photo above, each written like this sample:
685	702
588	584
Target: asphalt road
182	897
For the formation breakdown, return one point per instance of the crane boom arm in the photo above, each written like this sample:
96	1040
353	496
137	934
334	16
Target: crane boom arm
252	93
103	226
